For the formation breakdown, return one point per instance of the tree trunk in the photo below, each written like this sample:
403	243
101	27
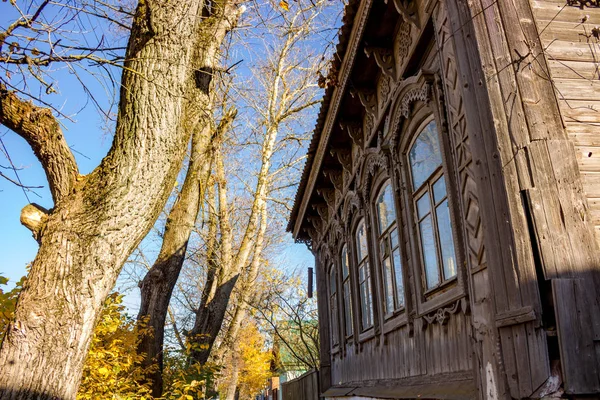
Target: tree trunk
95	226
158	284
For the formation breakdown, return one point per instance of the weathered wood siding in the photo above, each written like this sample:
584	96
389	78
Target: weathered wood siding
438	349
570	38
305	387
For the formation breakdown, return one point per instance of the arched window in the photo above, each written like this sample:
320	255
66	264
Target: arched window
364	276
431	208
333	309
389	250
347	292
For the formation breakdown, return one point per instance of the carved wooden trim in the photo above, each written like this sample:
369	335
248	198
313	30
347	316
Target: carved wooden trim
339	92
442	314
323	210
368	99
408	10
344	156
355	131
336	177
384	58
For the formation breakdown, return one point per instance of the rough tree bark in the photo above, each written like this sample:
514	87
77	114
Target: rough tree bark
98	219
158	284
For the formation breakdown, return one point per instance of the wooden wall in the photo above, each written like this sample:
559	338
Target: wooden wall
436	350
572	49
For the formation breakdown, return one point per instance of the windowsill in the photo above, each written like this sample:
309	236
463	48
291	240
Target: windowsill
366	335
395	321
440	297
335	349
441	287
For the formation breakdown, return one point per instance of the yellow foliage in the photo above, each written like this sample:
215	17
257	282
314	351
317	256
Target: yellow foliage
255	362
112	369
8	301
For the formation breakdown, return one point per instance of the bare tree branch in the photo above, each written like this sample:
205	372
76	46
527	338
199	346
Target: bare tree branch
43	133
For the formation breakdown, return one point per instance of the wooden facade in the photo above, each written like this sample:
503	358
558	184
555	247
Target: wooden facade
451	198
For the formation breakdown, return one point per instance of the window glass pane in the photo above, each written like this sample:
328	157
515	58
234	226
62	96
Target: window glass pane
332	280
361	241
446	241
334	319
425	155
394	237
348	308
388	285
399	280
386	212
439	189
369	297
365	296
345	261
423	205
429	253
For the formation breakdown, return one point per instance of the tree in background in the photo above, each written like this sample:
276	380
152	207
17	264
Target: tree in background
98	219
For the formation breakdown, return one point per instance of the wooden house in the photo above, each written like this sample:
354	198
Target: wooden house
451	197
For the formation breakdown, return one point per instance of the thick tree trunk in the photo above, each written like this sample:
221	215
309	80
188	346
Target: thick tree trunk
94	227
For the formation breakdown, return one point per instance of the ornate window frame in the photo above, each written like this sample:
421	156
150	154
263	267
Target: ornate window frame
420	101
398	316
364	333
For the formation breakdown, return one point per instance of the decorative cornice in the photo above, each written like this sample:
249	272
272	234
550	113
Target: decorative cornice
355	131
344	156
339	91
336	177
329	196
384	58
408	10
368	99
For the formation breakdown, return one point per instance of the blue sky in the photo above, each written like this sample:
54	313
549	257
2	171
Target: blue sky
90	141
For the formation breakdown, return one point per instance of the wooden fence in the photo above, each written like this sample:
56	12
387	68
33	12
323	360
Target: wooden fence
305	387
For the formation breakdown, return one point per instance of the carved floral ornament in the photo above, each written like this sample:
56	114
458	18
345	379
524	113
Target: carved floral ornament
442	314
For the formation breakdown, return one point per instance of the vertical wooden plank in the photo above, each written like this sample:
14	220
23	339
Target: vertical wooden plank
578	319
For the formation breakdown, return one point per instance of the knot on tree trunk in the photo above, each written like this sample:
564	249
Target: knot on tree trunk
34	218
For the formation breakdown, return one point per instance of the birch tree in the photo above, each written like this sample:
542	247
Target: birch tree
281	90
98	219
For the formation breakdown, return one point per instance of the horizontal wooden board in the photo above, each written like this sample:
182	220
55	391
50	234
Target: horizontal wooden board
574	69
568	31
577	89
587	134
564	50
549	11
591	183
580	110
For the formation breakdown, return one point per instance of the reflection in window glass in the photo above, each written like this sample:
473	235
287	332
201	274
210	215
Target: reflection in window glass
430	193
446	240
386	212
364	277
399	279
333	306
347	293
429	252
389	251
425	155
